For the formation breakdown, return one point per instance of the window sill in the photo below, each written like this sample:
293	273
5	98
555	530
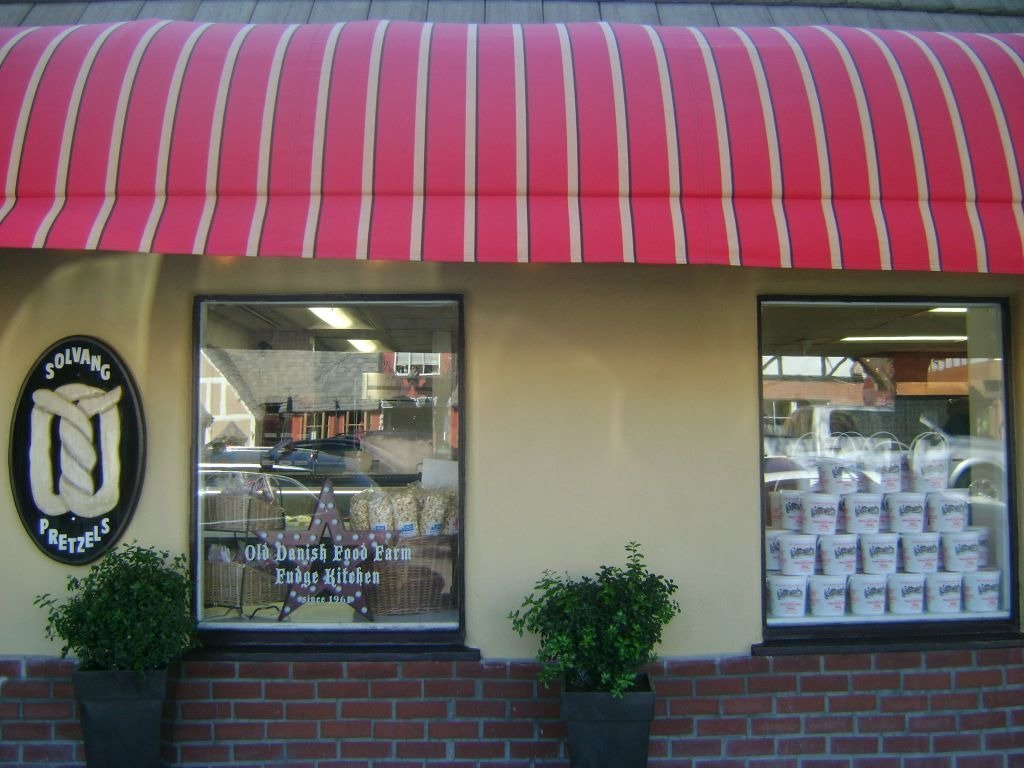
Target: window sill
382	652
883	645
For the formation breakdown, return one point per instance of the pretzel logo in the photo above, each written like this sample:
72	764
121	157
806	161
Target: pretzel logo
75	406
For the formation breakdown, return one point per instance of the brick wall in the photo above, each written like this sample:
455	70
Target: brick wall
950	708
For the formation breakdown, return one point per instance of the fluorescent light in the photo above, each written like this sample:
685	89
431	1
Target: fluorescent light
364	345
949	310
334	317
925	339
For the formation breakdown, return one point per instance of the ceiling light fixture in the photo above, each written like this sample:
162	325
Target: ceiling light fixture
364	345
903	339
334	317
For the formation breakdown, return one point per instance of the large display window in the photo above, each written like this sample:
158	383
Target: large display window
328	476
886	501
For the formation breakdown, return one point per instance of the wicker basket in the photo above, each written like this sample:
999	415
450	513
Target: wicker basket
264	515
233	585
421	584
225	511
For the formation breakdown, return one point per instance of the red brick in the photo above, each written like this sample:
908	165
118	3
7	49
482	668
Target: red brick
367	749
488	669
1000	657
745	665
932	724
801	745
720	686
796	664
828	724
292	729
318	750
311	710
478	750
881	724
258	710
877	681
239	731
733	726
694	706
427	750
772	684
951	658
371	670
398	730
1005	742
508	689
290	690
848	662
672	726
26	689
508	729
425	709
318	670
21	731
421	669
956	742
396	689
904	744
192	732
265	670
824	683
860	702
947	700
346	729
853	745
343	689
258	752
749	747
927	681
979	721
905	703
696	748
205	710
230	691
48	710
449	689
980	761
47	753
1009	697
765	726
901	660
454	729
668	688
536	710
205	754
477	708
747	705
373	709
795	704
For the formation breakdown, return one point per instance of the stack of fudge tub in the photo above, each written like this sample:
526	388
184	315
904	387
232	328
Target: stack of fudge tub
893	540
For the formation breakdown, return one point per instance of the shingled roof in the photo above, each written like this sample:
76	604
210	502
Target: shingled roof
945	15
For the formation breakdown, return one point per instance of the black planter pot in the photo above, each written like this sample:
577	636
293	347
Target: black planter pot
121	714
606	732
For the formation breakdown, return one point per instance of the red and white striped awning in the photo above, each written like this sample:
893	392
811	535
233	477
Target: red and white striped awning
803	147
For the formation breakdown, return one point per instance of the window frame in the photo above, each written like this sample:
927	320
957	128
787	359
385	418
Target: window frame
853	636
368	643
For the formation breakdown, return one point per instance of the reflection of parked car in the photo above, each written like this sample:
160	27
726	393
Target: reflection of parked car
286	457
789	458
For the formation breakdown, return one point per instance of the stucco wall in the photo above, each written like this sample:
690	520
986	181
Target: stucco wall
602	404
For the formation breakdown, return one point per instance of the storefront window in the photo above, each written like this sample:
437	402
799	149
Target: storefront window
327	487
884	467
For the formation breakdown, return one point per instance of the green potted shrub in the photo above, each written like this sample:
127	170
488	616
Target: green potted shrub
596	634
125	622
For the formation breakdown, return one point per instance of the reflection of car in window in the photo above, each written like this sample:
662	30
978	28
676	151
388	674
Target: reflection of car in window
819	430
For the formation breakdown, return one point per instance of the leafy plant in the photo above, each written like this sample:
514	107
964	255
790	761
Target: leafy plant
131	611
596	632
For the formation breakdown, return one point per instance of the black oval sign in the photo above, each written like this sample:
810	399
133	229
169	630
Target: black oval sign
77	450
